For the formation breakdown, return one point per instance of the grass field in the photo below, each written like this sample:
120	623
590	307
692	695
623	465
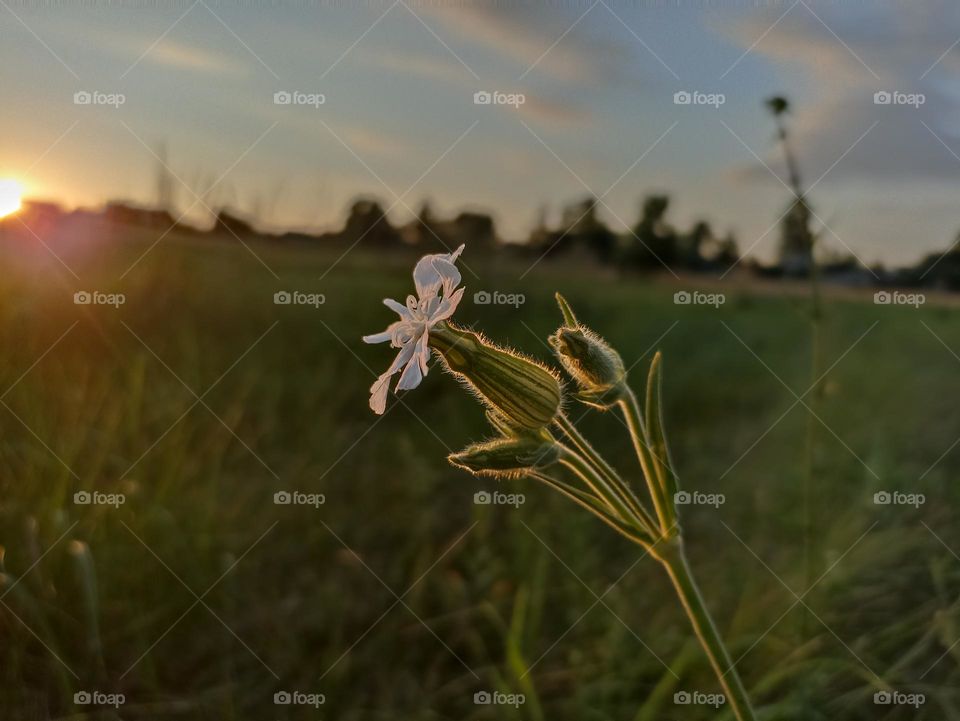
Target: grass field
398	597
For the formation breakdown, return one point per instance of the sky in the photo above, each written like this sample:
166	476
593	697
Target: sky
398	121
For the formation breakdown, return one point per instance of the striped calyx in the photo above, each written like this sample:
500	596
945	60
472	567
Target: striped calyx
526	393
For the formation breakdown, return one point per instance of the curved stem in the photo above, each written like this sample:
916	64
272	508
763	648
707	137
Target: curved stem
672	556
600	487
577	497
605	469
662	504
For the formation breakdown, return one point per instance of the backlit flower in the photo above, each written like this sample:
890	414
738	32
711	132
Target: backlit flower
436	279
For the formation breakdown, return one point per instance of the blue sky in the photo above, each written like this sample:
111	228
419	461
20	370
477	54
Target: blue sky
399	118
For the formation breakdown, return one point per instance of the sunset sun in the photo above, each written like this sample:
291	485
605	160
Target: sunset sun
10	194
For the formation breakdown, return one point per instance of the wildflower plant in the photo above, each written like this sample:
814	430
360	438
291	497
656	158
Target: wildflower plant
534	437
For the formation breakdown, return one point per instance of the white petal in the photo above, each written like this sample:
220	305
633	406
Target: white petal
447	307
385	335
397	308
378	394
431	270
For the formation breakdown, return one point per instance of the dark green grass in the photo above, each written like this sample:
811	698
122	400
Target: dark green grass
493	598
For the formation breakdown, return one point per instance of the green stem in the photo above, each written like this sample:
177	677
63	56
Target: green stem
599	485
672	556
663	505
586	501
606	470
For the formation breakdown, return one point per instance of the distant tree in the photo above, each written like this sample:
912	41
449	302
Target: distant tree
368	221
474	229
796	235
693	246
583	227
653	242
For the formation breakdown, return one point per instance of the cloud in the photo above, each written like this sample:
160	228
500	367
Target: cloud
527	36
876	51
179	55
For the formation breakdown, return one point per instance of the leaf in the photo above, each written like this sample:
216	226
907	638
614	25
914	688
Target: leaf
658	440
568	317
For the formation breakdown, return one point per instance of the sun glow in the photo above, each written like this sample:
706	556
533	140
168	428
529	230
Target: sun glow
11	193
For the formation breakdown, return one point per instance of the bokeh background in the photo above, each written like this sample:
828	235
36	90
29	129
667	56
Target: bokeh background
146	358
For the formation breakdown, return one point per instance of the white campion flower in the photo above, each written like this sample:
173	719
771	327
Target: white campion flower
436	278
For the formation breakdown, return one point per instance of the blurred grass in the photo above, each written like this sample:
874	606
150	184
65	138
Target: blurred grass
540	600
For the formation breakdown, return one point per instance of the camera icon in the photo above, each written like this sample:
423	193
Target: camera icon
882	498
282	297
282	97
82	297
681	297
882	97
883	698
681	698
481	297
82	97
82	698
482	97
282	498
82	498
682	97
882	297
681	498
282	698
482	698
482	498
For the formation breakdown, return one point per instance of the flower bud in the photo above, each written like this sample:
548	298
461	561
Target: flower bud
524	392
507	456
592	363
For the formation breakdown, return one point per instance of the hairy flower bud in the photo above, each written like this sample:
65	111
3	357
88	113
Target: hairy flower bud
591	362
524	392
507	456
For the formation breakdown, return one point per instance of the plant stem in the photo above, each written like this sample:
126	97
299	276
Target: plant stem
671	554
606	470
661	504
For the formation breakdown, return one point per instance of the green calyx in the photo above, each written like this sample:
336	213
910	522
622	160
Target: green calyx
508	457
596	367
526	394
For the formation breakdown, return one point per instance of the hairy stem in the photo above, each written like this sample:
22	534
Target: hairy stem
672	556
607	471
663	505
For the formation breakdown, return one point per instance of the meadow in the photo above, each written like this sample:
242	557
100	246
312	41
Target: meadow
398	597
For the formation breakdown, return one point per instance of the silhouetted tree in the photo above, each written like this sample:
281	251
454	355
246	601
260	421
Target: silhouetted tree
583	227
653	243
367	220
